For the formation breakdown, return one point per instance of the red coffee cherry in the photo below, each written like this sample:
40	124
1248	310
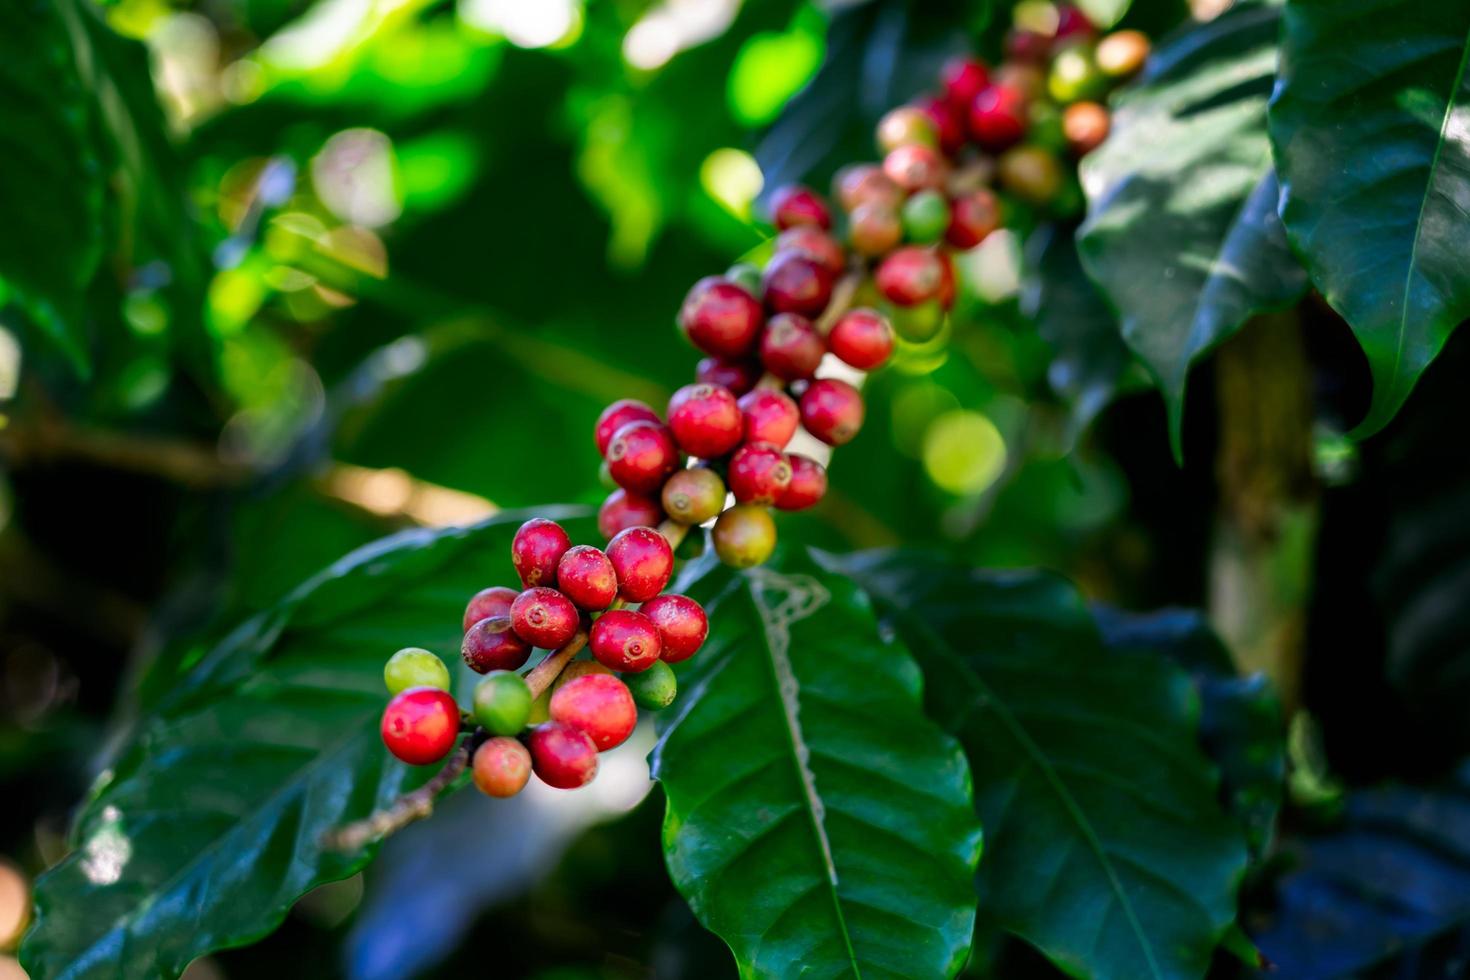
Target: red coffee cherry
545	618
1027	46
795	284
720	318
963	78
874	229
796	205
770	416
832	411
738	376
641	456
494	601
866	183
420	725
909	276
945	296
744	536
948	122
1085	124
562	756
862	338
916	168
972	217
705	420
815	244
759	473
791	347
643	560
998	117
492	644
537	547
586	576
622	510
625	640
696	495
617	415
598	704
682	625
808	483
501	767
1072	22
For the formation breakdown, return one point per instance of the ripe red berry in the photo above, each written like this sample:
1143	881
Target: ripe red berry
682	625
625	640
862	338
492	644
873	229
545	618
1027	46
586	576
948	122
744	536
598	704
705	420
501	767
537	547
972	217
909	276
617	415
641	456
808	483
998	117
738	376
420	725
720	318
791	347
963	78
1072	22
622	510
866	183
796	205
562	756
916	168
795	284
643	560
945	296
770	416
759	473
695	495
832	410
815	244
494	601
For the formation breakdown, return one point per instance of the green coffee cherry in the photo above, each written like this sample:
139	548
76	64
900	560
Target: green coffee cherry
502	702
413	667
653	688
925	217
1074	76
746	276
917	324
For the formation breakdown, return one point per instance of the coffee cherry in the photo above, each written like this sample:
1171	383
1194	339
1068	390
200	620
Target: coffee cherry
1121	53
654	688
759	473
491	644
643	560
617	415
696	495
1085	124
414	667
586	576
925	217
832	411
808	484
545	618
1027	46
1072	23
795	284
573	670
905	126
866	183
998	117
945	296
1074	76
420	725
705	419
770	417
641	456
720	318
537	547
562	756
1027	79
815	244
625	640
918	324
1030	173
963	78
622	510
738	376
494	601
682	625
746	276
502	703
948	123
972	218
862	338
598	704
796	205
909	276
501	767
791	347
916	168
744	536
873	229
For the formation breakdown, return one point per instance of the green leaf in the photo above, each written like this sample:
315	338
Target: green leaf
1104	13
817	821
206	829
1369	121
1182	233
1106	846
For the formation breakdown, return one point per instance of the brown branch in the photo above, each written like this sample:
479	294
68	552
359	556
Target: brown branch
186	463
401	812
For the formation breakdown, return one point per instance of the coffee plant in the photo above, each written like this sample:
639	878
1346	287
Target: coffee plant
349	459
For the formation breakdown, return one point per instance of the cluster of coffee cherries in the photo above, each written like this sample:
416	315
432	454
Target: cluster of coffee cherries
570	594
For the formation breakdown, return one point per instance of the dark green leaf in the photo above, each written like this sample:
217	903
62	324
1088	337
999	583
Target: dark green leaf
817	822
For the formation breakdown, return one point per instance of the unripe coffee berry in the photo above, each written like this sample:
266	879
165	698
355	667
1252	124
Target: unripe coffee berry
759	473
694	496
916	168
866	183
654	688
972	217
625	640
643	560
491	644
919	324
925	217
562	756
963	78
598	704
420	725
795	284
770	416
862	338
720	318
622	510
641	456
573	670
874	229
905	126
738	376
815	244
705	420
586	577
998	117
744	536
1075	76
502	703
796	205
791	348
1121	53
545	618
909	276
1030	173
682	625
1085	126
832	411
746	276
536	549
494	601
808	483
414	667
501	767
617	415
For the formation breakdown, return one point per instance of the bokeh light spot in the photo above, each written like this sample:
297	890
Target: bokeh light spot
964	452
772	67
524	23
732	178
